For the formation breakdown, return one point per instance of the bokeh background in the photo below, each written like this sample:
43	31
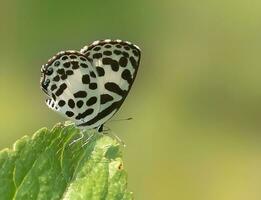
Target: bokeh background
196	102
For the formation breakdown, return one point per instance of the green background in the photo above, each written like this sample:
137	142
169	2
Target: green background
196	102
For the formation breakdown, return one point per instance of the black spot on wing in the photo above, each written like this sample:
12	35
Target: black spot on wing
85	79
100	71
93	86
67	64
92	74
91	101
135	52
97	56
53	87
61	71
71	103
79	103
106	98
113	87
64	57
53	96
126	75
117	52
83	58
107	53
61	89
133	62
125	54
106	61
107	46
75	65
56	78
97	48
115	66
123	61
80	94
64	76
83	65
73	56
61	103
69	72
126	47
84	114
113	63
69	113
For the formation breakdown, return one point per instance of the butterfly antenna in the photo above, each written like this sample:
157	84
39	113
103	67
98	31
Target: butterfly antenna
78	139
124	119
118	139
88	139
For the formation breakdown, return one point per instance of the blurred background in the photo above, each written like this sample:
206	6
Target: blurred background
196	102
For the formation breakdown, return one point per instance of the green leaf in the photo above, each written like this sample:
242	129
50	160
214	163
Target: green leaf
46	167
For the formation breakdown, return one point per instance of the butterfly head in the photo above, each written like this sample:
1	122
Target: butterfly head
57	70
46	76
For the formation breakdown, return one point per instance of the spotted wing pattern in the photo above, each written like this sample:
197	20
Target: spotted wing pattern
70	81
116	63
89	86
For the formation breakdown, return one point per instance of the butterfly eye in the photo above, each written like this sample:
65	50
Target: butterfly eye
57	63
49	71
45	85
46	82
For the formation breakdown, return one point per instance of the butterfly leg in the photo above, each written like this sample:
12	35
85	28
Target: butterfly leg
109	132
118	139
68	123
78	139
88	140
98	130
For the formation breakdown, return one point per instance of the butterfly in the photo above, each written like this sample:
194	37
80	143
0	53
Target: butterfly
89	86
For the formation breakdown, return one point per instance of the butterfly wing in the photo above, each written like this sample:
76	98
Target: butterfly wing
70	81
116	63
90	86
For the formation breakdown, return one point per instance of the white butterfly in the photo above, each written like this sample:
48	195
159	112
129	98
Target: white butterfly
90	85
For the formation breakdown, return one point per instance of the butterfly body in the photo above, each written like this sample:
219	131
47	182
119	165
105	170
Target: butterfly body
90	85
